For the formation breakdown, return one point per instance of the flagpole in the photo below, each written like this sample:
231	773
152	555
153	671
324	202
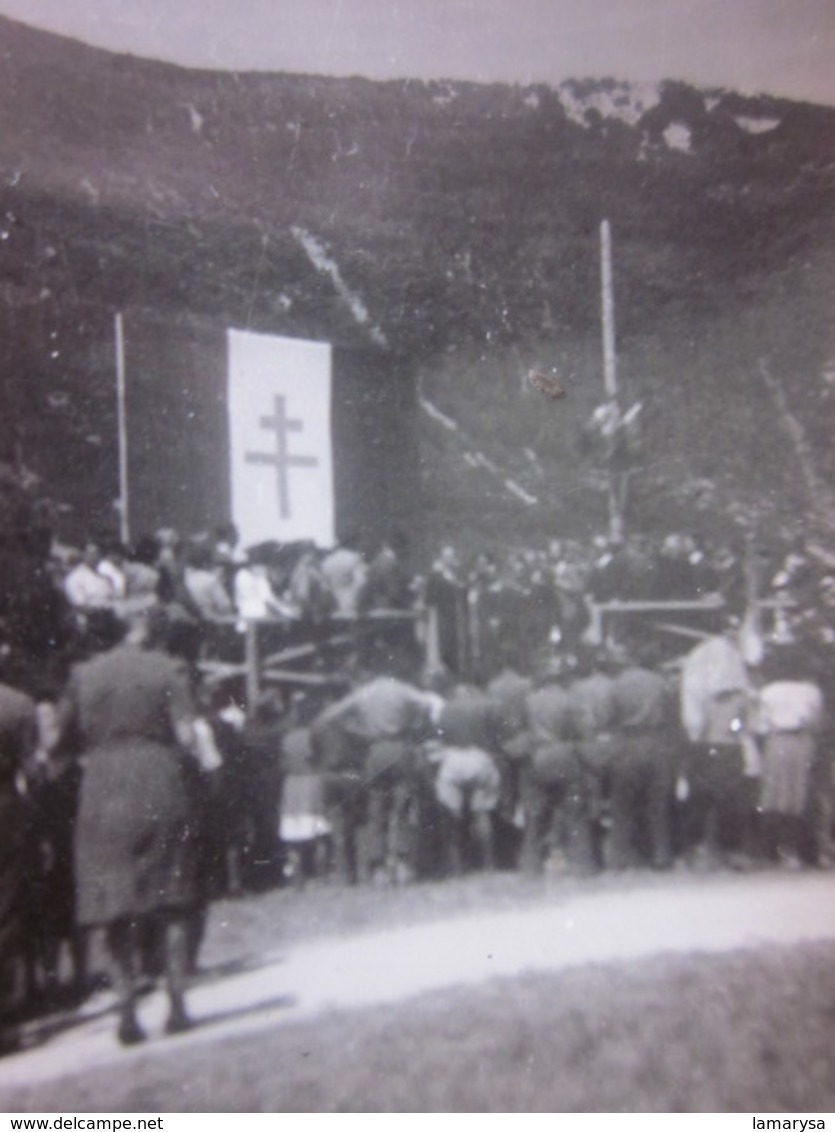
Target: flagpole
122	419
610	375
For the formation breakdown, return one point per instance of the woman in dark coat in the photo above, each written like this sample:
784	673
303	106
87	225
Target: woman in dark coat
135	851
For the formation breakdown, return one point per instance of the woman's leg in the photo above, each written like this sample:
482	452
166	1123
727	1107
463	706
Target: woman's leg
176	971
120	939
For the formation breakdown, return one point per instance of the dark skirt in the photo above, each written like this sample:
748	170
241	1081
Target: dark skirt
136	837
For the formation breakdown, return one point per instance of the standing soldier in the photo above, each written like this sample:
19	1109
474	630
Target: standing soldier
467	776
643	773
594	703
553	789
508	692
365	745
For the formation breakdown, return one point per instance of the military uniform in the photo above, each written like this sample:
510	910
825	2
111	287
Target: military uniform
643	772
554	792
364	747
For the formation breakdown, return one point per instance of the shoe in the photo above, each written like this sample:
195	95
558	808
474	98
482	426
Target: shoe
740	863
556	864
380	877
178	1023
130	1033
788	861
704	860
403	873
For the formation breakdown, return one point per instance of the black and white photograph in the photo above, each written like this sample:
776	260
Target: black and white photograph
417	556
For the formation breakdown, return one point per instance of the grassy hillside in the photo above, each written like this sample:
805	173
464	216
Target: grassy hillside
458	225
716	451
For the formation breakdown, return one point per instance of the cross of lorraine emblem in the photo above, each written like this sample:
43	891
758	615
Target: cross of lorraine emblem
280	425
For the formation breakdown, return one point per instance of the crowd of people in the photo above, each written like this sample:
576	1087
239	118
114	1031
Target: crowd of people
510	735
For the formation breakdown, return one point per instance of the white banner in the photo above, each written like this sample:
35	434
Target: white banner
280	438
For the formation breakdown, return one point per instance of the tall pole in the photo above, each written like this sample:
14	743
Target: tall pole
122	419
610	373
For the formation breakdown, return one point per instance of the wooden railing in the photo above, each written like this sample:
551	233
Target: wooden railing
293	664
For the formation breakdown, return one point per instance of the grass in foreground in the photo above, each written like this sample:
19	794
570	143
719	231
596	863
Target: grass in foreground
749	1031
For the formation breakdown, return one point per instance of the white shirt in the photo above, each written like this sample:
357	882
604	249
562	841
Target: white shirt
114	575
345	572
712	672
87	589
254	595
789	705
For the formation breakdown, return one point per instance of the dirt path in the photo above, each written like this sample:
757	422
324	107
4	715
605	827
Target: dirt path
384	967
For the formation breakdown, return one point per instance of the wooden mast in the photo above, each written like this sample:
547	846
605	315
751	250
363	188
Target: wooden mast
610	374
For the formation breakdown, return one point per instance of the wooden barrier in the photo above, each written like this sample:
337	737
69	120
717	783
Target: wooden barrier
312	662
324	642
601	611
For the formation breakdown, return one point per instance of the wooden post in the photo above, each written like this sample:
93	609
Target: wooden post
610	371
122	420
615	510
253	668
752	636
